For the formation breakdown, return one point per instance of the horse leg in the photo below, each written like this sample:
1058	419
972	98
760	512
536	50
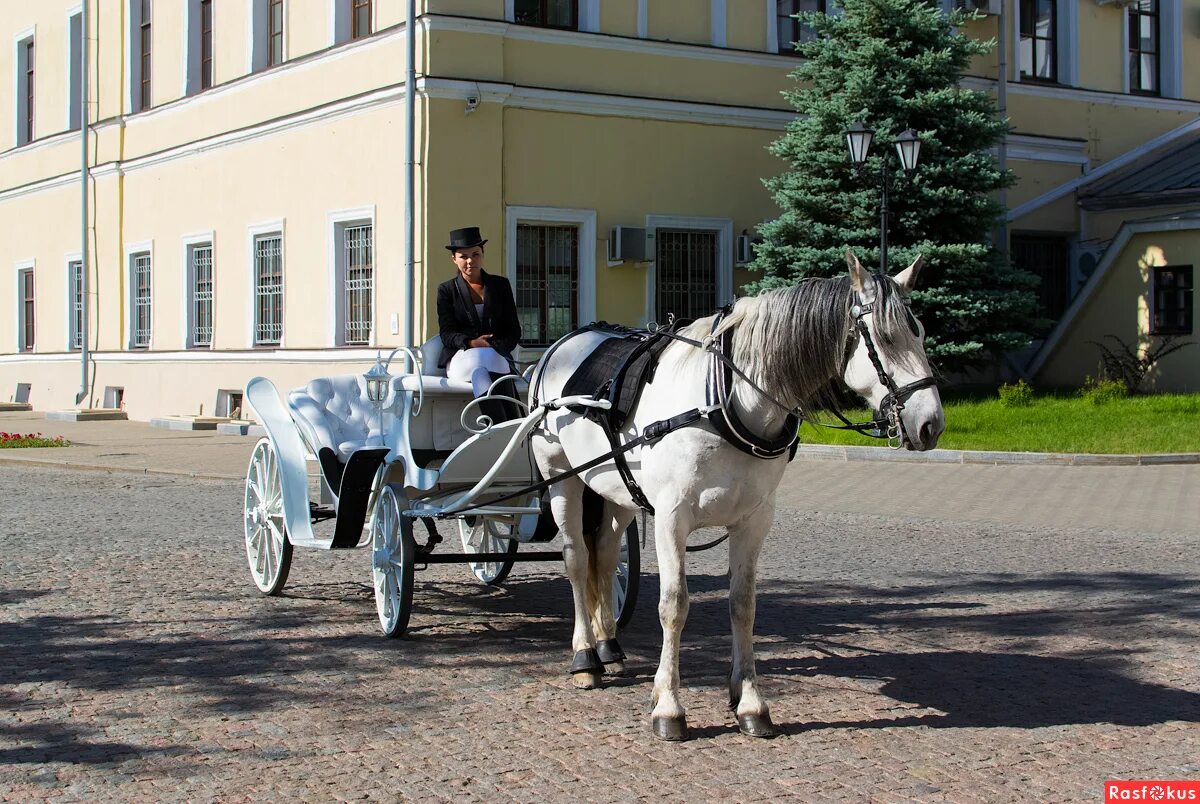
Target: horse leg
606	553
745	543
566	504
668	720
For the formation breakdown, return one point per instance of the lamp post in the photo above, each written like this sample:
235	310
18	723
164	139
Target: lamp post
908	147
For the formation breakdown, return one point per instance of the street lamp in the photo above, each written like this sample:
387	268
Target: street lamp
908	148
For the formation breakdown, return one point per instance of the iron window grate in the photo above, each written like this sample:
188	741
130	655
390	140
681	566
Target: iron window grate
202	296
686	273
268	290
547	286
359	284
76	272
140	287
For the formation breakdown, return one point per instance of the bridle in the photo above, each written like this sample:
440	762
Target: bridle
887	423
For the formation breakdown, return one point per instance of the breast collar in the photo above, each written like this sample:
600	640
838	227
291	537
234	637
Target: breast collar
724	418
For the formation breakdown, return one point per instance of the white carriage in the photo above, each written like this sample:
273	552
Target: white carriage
379	452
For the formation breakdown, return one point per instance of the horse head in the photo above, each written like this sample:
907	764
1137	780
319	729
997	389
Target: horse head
887	364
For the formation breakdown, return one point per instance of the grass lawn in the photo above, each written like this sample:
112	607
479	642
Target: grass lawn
1134	425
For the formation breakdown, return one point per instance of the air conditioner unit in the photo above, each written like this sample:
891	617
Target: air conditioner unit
744	251
988	7
627	243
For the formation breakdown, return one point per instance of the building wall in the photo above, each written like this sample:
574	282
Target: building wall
1119	305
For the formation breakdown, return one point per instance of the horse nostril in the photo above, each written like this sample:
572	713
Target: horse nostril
928	434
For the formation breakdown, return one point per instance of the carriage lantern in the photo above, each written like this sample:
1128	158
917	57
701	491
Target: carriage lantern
377	379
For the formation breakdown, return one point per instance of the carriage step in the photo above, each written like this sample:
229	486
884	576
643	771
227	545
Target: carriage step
319	513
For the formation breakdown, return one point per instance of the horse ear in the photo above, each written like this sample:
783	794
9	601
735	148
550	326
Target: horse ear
858	274
907	279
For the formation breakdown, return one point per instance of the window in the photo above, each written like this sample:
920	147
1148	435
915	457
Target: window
206	44
25	91
547	281
1039	40
274	32
1144	47
357	269
1171	300
198	40
25	313
139	300
1047	257
686	273
547	13
268	290
791	30
75	79
144	40
200	293
75	303
360	13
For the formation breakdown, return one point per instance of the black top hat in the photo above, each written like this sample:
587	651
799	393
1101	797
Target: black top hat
465	238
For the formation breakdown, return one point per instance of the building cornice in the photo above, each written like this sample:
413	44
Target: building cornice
1080	95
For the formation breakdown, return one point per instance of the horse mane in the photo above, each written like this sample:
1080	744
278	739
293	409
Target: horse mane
793	341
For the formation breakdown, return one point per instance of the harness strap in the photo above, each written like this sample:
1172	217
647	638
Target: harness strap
652	432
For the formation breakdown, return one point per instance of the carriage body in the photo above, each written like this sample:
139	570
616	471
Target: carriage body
376	467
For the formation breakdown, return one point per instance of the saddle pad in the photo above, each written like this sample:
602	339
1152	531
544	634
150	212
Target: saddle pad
617	370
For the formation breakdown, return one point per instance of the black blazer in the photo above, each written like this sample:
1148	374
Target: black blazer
459	324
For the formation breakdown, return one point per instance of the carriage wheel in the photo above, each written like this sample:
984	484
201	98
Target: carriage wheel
627	577
483	535
267	547
393	553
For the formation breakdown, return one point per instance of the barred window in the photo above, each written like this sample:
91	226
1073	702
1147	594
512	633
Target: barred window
547	13
1039	39
1171	300
139	293
75	274
792	31
200	272
1144	47
268	290
547	287
358	283
26	310
686	272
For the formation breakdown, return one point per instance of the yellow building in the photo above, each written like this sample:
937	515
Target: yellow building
246	173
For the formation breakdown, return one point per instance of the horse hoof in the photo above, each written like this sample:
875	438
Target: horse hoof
672	729
616	669
754	725
586	681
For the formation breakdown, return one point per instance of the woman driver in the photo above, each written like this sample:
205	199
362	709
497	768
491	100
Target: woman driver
477	316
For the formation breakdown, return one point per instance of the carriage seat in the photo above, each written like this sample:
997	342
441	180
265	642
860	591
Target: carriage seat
335	412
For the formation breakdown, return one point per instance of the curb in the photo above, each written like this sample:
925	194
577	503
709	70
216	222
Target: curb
825	452
91	467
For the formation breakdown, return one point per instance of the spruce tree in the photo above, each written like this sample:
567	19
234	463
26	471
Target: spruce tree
896	64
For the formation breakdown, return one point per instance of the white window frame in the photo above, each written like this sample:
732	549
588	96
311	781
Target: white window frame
133	57
132	250
19	100
69	260
589	14
22	267
74	68
258	54
341	26
337	223
193	48
1066	48
188	245
724	229
585	219
252	232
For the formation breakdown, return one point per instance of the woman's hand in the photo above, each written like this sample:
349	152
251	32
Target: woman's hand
480	342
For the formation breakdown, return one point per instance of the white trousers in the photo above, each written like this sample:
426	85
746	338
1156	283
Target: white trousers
476	366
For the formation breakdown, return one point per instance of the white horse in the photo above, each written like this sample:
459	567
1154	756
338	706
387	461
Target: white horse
789	343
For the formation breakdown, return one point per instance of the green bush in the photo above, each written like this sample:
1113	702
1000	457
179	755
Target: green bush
1101	391
1016	395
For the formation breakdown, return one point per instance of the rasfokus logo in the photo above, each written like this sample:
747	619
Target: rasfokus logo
1151	790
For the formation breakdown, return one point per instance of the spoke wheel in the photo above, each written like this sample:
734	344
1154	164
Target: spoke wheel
393	553
627	577
483	535
267	547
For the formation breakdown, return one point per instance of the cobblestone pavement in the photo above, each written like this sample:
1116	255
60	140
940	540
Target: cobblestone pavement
906	659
